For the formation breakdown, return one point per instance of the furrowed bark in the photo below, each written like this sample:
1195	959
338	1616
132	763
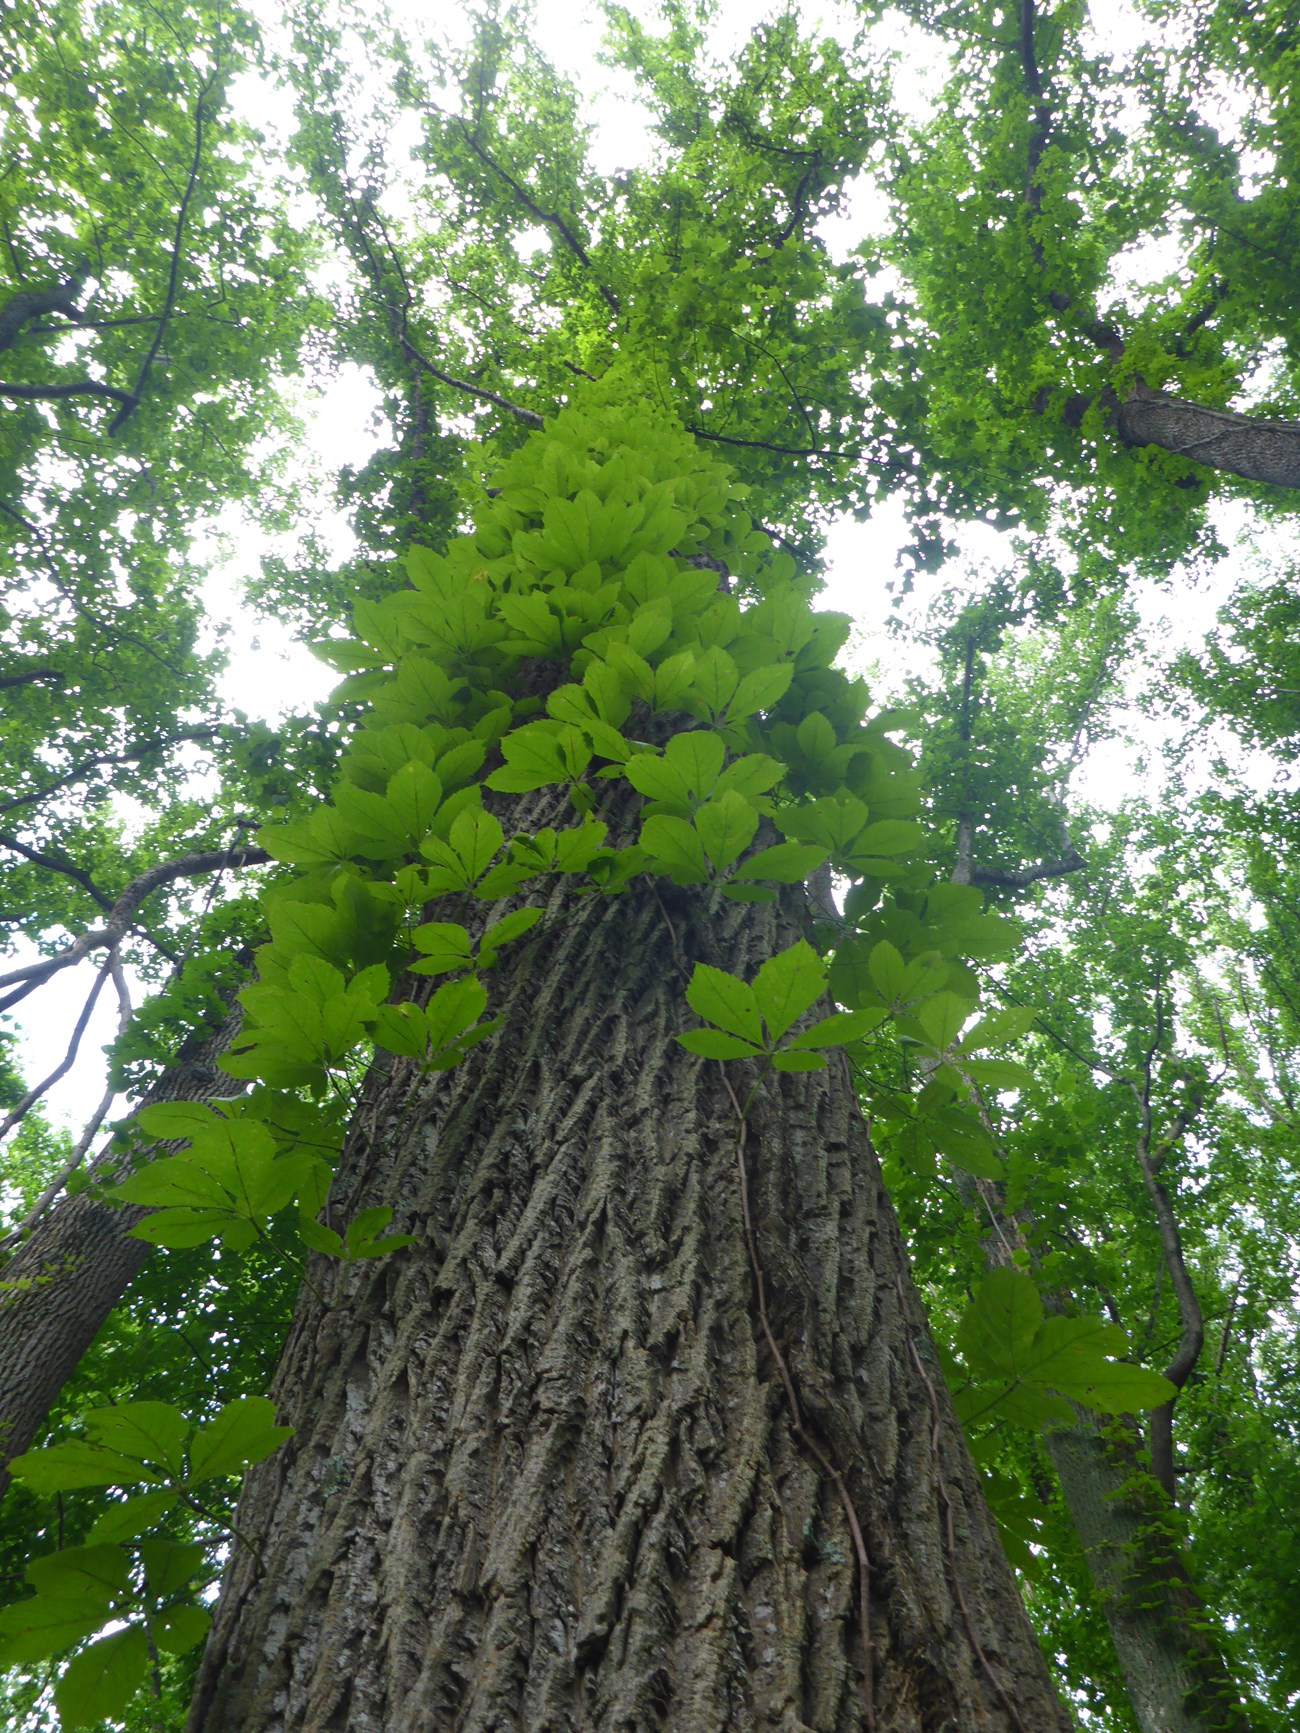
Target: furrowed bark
544	1474
59	1287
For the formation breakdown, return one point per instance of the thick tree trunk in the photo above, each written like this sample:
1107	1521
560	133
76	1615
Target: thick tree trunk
545	1474
75	1266
1242	445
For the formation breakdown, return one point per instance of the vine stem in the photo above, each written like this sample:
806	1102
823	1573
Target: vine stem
950	1545
797	1426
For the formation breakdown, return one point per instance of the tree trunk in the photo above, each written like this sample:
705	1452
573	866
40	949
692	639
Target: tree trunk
1175	1676
1242	445
545	1473
76	1264
1173	1669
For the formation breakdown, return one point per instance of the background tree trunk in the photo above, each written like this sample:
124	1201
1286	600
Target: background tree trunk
544	1474
78	1261
1176	1676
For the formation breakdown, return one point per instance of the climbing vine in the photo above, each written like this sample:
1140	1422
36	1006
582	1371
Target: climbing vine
612	676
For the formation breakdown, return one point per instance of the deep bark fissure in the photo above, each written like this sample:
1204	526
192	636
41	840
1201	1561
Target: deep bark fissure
544	1475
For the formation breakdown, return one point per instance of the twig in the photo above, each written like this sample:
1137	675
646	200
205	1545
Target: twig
21	1229
33	1095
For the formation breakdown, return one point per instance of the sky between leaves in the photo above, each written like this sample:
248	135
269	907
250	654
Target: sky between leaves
269	675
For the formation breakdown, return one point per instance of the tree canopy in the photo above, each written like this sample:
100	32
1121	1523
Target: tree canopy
1050	878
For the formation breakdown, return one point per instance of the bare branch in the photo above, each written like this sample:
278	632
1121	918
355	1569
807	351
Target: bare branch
24	305
70	388
530	416
21	1229
54	864
1072	862
552	219
32	975
1192	1334
33	1095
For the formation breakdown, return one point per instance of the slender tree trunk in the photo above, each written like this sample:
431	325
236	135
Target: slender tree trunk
545	1474
1244	445
1173	1669
1176	1677
77	1263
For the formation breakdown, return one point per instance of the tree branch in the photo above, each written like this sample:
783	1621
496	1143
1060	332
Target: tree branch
551	219
133	756
24	305
173	276
25	980
77	874
1192	1336
530	416
56	675
69	388
33	1095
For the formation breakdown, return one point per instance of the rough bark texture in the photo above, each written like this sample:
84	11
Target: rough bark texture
74	1267
1242	445
544	1474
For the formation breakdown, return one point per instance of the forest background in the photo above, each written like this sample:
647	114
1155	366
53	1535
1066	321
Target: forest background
1012	287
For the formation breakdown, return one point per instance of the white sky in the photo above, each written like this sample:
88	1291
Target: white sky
270	675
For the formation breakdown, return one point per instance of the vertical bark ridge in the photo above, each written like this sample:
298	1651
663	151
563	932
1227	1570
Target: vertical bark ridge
544	1475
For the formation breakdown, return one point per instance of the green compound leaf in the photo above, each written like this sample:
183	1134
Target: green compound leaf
726	826
131	1516
838	1028
154	1432
444	946
942	1017
539	754
75	1464
759	691
675	848
785	863
32	1630
169	1565
717	1044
